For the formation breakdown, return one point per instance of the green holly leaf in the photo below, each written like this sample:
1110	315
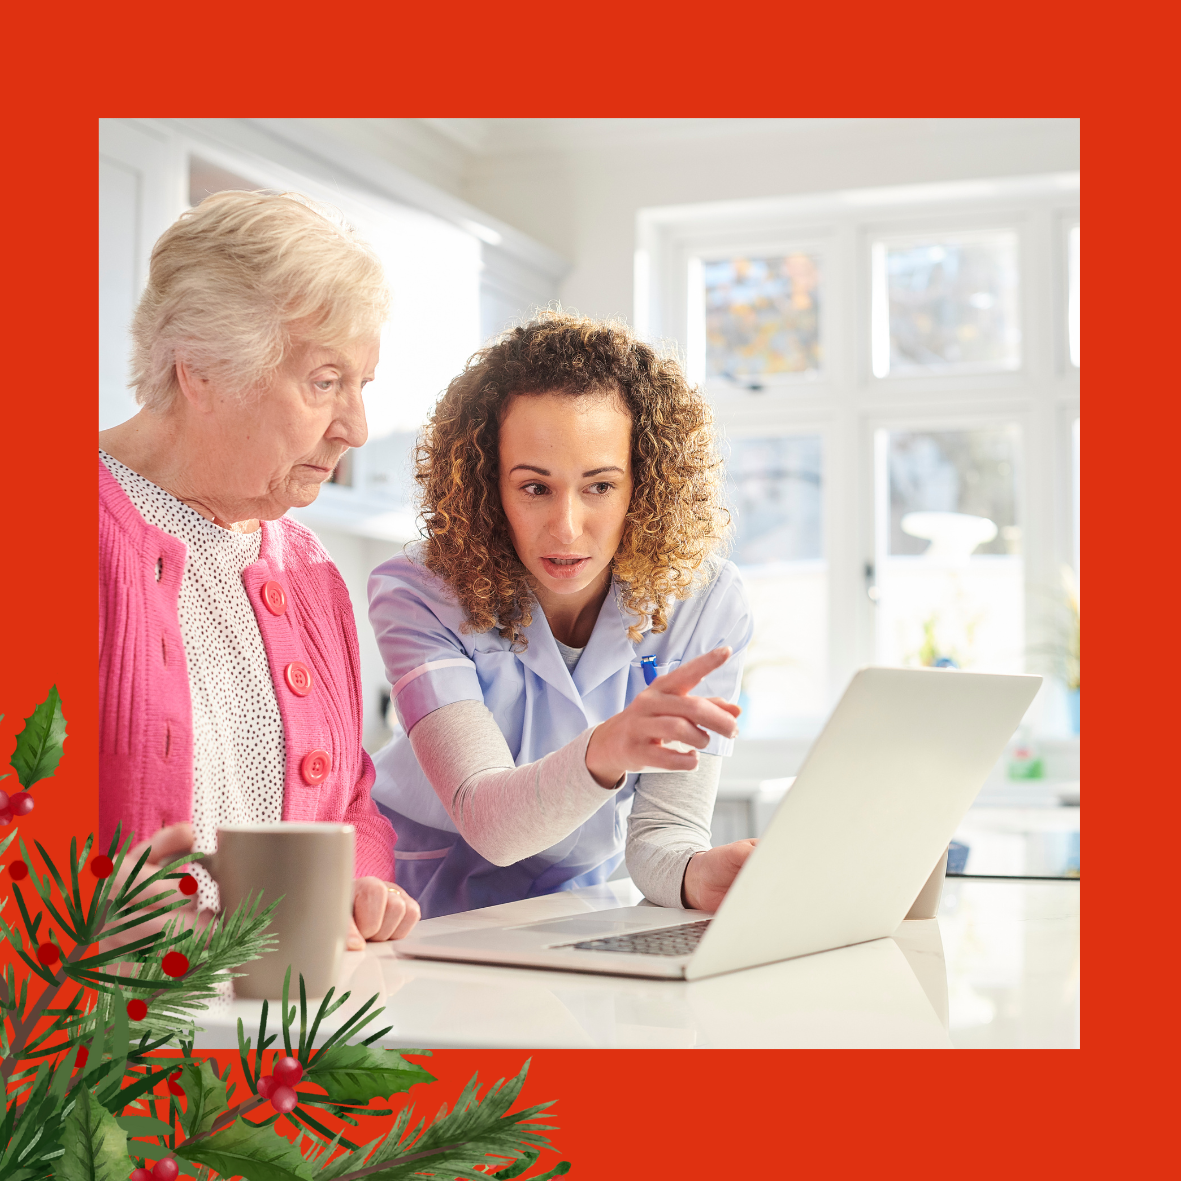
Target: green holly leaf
356	1074
39	744
94	1146
243	1150
143	1125
205	1096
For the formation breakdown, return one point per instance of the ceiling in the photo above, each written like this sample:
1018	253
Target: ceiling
492	136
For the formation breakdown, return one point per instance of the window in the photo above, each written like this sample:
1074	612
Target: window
1075	492
761	317
879	438
946	304
1072	298
775	494
950	578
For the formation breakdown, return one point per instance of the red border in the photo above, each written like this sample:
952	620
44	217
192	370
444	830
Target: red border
666	1114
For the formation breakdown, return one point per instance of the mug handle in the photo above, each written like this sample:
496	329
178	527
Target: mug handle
208	863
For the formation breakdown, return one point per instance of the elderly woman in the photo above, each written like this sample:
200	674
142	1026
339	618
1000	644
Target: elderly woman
229	673
545	642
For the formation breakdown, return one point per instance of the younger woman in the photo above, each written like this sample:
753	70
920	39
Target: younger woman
569	487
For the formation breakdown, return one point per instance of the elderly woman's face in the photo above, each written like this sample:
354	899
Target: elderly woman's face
566	484
274	451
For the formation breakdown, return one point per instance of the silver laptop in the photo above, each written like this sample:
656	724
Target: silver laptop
847	851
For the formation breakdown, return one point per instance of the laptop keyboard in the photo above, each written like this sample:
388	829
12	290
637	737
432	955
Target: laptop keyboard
682	940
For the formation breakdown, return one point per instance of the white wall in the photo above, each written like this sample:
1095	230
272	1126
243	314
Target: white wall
582	201
355	558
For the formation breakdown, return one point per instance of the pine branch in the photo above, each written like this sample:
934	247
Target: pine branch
71	1069
456	1141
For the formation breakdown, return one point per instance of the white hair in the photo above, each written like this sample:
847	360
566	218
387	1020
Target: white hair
239	281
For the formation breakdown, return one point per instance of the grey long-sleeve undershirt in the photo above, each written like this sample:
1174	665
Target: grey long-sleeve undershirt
507	813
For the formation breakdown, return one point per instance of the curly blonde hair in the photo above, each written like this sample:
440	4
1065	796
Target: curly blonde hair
674	522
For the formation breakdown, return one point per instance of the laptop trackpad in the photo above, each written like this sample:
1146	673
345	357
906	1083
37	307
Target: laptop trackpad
586	925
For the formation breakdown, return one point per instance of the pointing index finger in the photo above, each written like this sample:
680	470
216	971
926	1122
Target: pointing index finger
681	680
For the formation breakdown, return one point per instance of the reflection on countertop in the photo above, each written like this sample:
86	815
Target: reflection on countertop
999	967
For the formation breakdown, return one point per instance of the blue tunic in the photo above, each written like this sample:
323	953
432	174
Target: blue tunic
539	705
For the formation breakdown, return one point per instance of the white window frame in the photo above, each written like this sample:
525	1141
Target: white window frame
846	403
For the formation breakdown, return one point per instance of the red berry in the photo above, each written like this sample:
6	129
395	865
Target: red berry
140	1175
81	1057
137	1010
21	803
175	964
5	815
48	953
266	1085
283	1099
188	884
18	871
287	1071
165	1170
3	799
102	866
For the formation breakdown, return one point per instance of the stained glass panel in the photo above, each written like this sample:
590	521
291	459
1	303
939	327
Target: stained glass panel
762	316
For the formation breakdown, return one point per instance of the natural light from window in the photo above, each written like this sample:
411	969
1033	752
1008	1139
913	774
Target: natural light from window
950	575
946	305
1072	299
775	492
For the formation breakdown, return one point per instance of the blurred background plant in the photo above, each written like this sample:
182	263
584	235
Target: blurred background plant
1058	654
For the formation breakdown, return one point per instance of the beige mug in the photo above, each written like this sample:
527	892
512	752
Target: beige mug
308	869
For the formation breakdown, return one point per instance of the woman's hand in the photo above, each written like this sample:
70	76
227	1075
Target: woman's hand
381	911
710	874
166	845
664	712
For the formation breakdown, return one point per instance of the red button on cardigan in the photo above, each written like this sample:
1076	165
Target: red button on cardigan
146	733
274	598
299	678
315	766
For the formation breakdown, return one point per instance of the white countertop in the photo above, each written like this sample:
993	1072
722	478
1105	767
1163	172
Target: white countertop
998	968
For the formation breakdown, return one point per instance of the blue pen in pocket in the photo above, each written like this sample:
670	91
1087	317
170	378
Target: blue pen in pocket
648	664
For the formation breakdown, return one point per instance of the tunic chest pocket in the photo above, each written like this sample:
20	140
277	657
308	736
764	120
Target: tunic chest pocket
636	676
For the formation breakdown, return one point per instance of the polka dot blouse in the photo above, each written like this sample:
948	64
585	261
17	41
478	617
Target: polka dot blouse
238	748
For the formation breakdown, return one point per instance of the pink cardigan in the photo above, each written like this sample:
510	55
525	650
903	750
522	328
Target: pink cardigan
145	714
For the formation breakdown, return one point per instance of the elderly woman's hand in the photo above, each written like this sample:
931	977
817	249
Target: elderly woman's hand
164	846
381	911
